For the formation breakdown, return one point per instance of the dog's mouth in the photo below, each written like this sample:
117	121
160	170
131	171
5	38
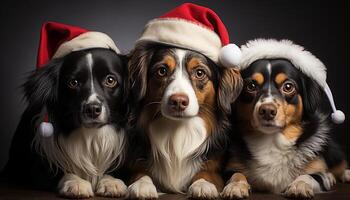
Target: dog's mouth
268	127
178	115
94	124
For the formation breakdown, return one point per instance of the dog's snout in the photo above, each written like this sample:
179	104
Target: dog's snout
178	102
93	110
268	111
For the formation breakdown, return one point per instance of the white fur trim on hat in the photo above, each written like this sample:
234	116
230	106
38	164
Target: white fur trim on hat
184	34
297	55
86	40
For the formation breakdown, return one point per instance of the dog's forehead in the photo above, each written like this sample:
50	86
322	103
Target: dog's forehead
92	60
271	69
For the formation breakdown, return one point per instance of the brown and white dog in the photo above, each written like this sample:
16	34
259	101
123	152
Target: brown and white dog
182	103
283	143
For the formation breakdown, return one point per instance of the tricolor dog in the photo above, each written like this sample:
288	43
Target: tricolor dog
183	96
282	142
72	131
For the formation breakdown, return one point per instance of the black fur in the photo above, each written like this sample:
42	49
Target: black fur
47	88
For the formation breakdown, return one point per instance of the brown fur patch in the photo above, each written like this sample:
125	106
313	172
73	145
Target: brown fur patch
210	173
294	112
339	169
258	77
193	62
316	165
206	95
238	177
280	78
170	61
293	132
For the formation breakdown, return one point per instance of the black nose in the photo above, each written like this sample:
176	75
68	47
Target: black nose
92	110
268	111
178	102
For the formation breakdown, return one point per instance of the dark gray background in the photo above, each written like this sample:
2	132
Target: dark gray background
319	26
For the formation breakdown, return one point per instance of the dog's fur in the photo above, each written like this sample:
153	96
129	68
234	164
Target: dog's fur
84	95
283	142
182	143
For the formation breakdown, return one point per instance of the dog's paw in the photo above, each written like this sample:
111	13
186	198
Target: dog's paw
72	186
345	177
236	190
143	188
299	189
331	179
202	189
111	187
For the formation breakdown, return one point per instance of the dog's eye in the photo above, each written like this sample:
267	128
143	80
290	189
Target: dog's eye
200	74
251	87
288	87
110	81
162	71
73	83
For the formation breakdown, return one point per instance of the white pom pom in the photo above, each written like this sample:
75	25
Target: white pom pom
338	117
45	129
230	55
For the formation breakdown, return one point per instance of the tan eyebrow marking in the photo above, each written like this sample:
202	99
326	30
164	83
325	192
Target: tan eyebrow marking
258	77
280	78
170	61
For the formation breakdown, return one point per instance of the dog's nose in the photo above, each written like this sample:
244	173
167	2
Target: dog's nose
268	111
178	102
92	110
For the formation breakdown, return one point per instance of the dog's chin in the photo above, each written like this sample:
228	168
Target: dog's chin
267	127
176	116
92	124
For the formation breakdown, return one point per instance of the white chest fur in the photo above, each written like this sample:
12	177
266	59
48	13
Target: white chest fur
173	144
274	164
88	153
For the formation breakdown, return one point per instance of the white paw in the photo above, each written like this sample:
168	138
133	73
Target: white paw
299	189
332	180
236	190
111	187
345	177
202	189
143	188
72	186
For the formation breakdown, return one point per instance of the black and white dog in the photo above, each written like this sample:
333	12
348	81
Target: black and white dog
84	94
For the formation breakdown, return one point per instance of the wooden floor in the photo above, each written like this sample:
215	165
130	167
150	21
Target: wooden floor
340	192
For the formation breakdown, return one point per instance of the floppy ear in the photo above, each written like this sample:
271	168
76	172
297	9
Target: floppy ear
314	98
40	89
140	59
230	86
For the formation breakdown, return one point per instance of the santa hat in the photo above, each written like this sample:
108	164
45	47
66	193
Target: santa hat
58	40
306	62
196	28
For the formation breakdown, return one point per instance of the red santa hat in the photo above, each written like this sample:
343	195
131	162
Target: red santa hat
196	28
58	40
302	59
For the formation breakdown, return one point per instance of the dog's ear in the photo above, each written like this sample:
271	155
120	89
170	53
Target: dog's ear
40	89
230	86
140	59
314	98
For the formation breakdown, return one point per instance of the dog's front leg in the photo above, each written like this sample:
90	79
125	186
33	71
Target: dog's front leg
207	183
305	186
72	186
111	187
237	187
142	188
